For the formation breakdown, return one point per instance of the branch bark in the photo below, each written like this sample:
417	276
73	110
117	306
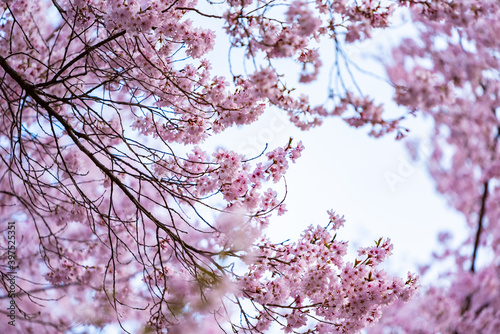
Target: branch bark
479	226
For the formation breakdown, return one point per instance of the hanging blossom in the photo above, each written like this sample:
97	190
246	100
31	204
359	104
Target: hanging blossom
308	282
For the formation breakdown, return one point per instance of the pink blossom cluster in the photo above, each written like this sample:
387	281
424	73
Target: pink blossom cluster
67	272
295	36
296	283
461	92
468	305
364	16
451	74
238	180
335	219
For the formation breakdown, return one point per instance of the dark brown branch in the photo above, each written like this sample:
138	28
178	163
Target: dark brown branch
87	51
479	226
197	11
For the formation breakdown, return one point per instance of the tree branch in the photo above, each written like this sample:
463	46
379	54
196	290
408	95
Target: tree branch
75	136
87	51
479	226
